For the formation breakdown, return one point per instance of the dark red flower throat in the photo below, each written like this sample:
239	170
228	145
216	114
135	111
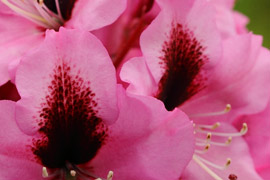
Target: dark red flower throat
68	124
182	60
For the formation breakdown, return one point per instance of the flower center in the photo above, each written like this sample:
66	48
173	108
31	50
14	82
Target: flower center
69	127
49	14
182	60
204	144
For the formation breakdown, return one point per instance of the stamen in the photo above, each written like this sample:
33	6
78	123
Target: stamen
30	16
221	134
73	173
58	10
44	172
206	148
204	167
110	175
203	143
225	111
228	162
40	2
44	12
213	127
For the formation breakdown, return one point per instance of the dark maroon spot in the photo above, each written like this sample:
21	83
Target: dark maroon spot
232	177
66	7
182	60
69	127
9	91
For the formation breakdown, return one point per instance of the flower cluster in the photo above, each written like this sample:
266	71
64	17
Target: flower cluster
132	89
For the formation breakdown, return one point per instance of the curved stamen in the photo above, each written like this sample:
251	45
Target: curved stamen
73	173
45	173
206	148
201	142
58	10
225	111
47	15
30	16
213	127
228	162
243	131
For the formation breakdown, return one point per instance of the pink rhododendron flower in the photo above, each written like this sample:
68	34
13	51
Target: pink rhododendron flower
24	24
187	65
67	123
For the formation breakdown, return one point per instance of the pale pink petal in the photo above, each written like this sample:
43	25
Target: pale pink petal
94	14
146	142
17	36
241	22
241	80
238	151
16	160
67	53
258	139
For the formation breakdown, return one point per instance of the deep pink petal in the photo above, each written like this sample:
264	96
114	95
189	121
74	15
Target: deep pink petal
146	142
16	160
90	15
67	53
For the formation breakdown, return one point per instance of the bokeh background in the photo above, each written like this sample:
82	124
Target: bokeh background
258	12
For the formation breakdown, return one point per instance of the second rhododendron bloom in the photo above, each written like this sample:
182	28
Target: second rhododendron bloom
72	121
23	24
187	65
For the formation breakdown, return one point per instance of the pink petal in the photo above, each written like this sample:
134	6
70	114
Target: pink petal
94	14
258	139
17	35
16	160
241	161
141	141
83	58
136	73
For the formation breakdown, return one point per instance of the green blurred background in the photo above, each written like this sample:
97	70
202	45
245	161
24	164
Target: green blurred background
258	12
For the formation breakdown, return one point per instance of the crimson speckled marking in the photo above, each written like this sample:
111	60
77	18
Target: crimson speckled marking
68	124
183	58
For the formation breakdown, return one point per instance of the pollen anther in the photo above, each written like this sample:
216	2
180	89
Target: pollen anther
44	172
224	111
73	173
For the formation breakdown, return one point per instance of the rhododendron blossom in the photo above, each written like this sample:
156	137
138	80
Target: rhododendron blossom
187	65
130	90
67	124
24	24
